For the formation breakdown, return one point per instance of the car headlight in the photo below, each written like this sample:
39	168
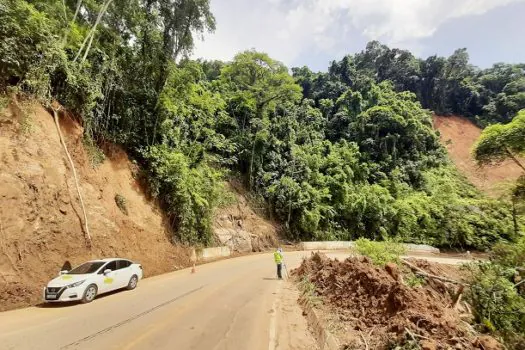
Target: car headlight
76	284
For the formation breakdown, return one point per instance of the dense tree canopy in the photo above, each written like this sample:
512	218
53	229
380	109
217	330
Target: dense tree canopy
338	155
444	85
499	142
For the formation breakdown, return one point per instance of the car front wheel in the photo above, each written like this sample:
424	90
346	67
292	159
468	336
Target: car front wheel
132	284
89	294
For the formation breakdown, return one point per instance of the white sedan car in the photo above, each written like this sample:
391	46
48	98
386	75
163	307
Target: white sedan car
95	277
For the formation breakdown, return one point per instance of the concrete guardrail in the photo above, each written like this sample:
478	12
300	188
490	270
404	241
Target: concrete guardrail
213	253
337	245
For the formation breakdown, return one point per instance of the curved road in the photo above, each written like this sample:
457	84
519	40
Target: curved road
230	304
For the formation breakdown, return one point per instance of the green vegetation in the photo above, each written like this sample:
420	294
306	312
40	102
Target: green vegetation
26	121
308	292
4	102
445	85
497	293
499	142
497	305
510	255
414	281
95	154
120	201
339	155
381	253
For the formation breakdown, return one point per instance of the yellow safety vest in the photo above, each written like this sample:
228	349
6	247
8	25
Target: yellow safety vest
277	256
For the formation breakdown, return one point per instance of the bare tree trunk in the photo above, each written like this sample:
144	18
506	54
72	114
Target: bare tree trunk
251	162
91	33
515	217
65	10
513	157
100	15
77	10
426	274
82	47
72	165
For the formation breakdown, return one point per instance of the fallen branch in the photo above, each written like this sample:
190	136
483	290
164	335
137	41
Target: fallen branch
413	337
364	340
457	297
519	283
428	275
86	227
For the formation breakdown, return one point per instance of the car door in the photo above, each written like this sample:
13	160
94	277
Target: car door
109	280
124	272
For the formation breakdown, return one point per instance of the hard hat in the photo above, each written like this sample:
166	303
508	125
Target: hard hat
280	250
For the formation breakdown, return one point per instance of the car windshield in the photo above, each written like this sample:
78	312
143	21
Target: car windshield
88	267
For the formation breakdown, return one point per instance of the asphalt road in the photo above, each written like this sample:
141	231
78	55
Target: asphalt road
226	305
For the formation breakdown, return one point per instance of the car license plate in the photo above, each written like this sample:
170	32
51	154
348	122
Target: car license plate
51	296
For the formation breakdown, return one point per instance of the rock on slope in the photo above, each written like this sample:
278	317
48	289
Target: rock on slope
40	216
459	135
239	227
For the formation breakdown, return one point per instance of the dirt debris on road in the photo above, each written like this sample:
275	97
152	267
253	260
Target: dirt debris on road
371	307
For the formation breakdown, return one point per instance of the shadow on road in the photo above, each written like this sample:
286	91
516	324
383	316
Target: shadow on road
57	305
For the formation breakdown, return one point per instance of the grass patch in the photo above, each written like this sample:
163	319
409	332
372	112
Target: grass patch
381	253
95	154
498	307
120	200
414	281
226	197
26	121
4	102
308	292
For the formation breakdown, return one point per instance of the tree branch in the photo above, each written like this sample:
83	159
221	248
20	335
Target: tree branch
66	34
72	165
426	274
514	158
65	10
100	15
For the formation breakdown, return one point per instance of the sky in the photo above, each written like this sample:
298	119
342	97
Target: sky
315	32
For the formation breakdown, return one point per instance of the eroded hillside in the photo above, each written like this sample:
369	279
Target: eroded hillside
459	135
40	216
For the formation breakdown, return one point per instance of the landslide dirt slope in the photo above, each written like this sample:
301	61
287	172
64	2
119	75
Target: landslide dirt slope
40	212
459	135
40	226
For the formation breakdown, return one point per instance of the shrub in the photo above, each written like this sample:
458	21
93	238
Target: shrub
414	281
308	292
510	255
30	50
189	194
496	303
381	253
120	200
95	154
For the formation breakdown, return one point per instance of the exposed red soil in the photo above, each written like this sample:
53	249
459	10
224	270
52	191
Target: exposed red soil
459	135
40	215
373	302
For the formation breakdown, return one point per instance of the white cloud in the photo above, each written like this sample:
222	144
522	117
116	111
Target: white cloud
287	29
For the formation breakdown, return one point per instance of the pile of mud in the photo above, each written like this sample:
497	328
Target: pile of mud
374	302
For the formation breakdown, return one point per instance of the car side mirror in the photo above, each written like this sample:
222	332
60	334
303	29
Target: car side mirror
106	271
63	272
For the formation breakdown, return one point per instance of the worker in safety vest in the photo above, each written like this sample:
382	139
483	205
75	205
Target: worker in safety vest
278	258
